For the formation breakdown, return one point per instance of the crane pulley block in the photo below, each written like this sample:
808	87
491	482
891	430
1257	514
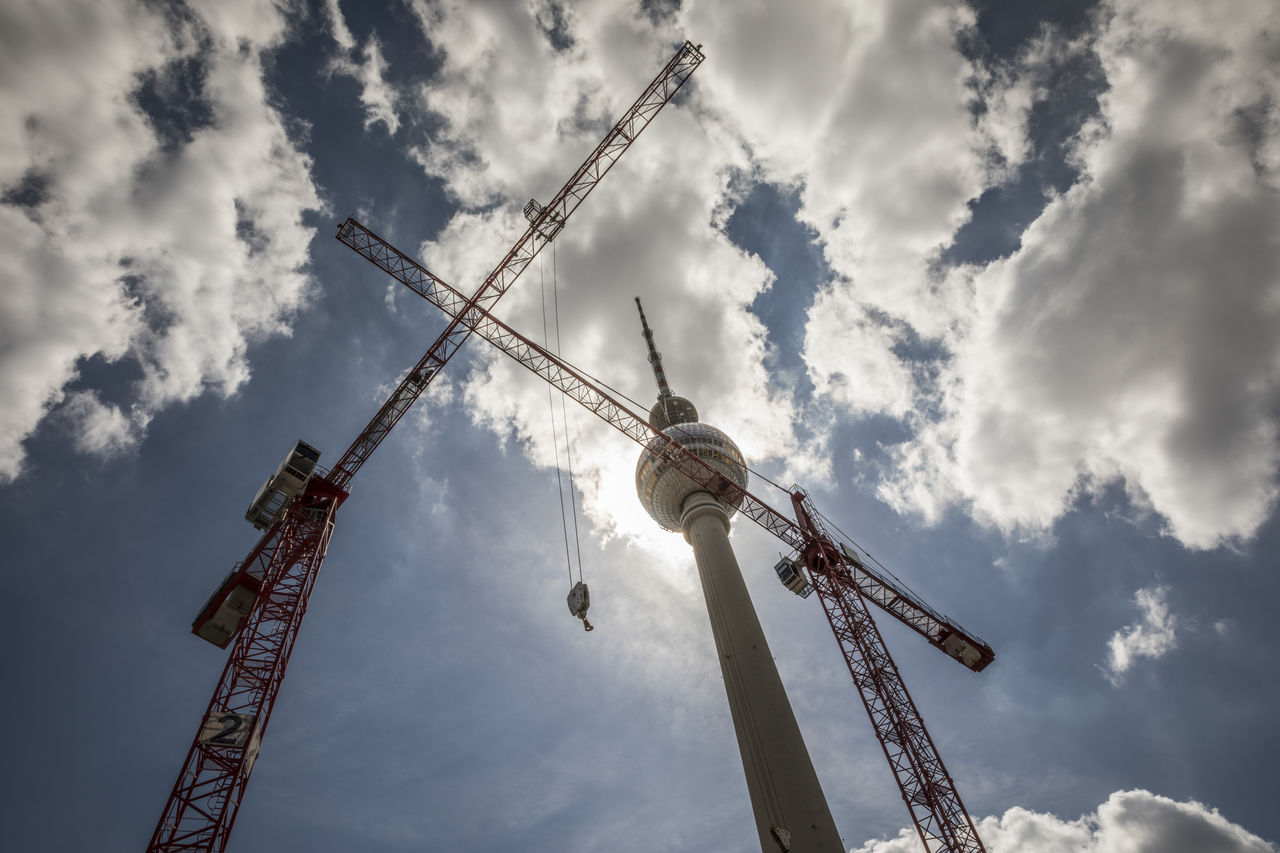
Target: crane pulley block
579	601
548	227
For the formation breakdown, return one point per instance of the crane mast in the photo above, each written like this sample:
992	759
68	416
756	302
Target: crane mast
836	573
282	567
931	796
206	797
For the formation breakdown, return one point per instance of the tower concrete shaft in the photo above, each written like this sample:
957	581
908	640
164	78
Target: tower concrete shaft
790	809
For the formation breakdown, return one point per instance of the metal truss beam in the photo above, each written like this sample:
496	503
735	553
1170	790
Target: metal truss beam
206	798
546	222
887	593
939	816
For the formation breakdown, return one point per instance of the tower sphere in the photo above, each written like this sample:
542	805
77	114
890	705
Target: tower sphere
671	409
663	488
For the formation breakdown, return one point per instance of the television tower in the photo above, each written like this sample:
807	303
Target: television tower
790	809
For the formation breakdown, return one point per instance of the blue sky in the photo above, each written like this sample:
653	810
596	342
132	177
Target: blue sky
998	283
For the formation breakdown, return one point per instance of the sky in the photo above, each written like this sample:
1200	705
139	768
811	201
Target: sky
998	283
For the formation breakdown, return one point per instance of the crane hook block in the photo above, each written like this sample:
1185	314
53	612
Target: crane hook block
579	601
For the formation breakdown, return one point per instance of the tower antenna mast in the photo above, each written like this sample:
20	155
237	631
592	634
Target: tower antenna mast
670	409
655	357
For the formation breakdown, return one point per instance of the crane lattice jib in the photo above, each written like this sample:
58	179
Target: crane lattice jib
203	804
542	229
891	596
939	816
205	799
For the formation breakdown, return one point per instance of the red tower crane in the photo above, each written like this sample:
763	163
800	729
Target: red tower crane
261	603
843	580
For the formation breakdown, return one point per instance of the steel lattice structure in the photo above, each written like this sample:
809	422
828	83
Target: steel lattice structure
886	592
545	223
205	799
838	575
931	796
283	565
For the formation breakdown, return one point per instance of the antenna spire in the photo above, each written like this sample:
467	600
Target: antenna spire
655	357
669	409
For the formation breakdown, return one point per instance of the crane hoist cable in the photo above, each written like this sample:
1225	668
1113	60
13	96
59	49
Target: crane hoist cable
579	598
564	417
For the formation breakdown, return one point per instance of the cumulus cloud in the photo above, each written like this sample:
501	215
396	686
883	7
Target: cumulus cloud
100	429
151	211
365	64
653	229
1135	334
793	97
1153	637
1130	338
1128	822
886	163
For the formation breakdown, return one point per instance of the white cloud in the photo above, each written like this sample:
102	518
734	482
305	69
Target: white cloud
366	65
1127	339
886	162
515	108
653	229
338	25
172	247
1128	822
1153	637
792	97
1135	335
101	429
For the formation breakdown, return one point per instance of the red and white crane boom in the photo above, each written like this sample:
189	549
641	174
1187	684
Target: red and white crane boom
881	589
271	586
544	224
940	818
